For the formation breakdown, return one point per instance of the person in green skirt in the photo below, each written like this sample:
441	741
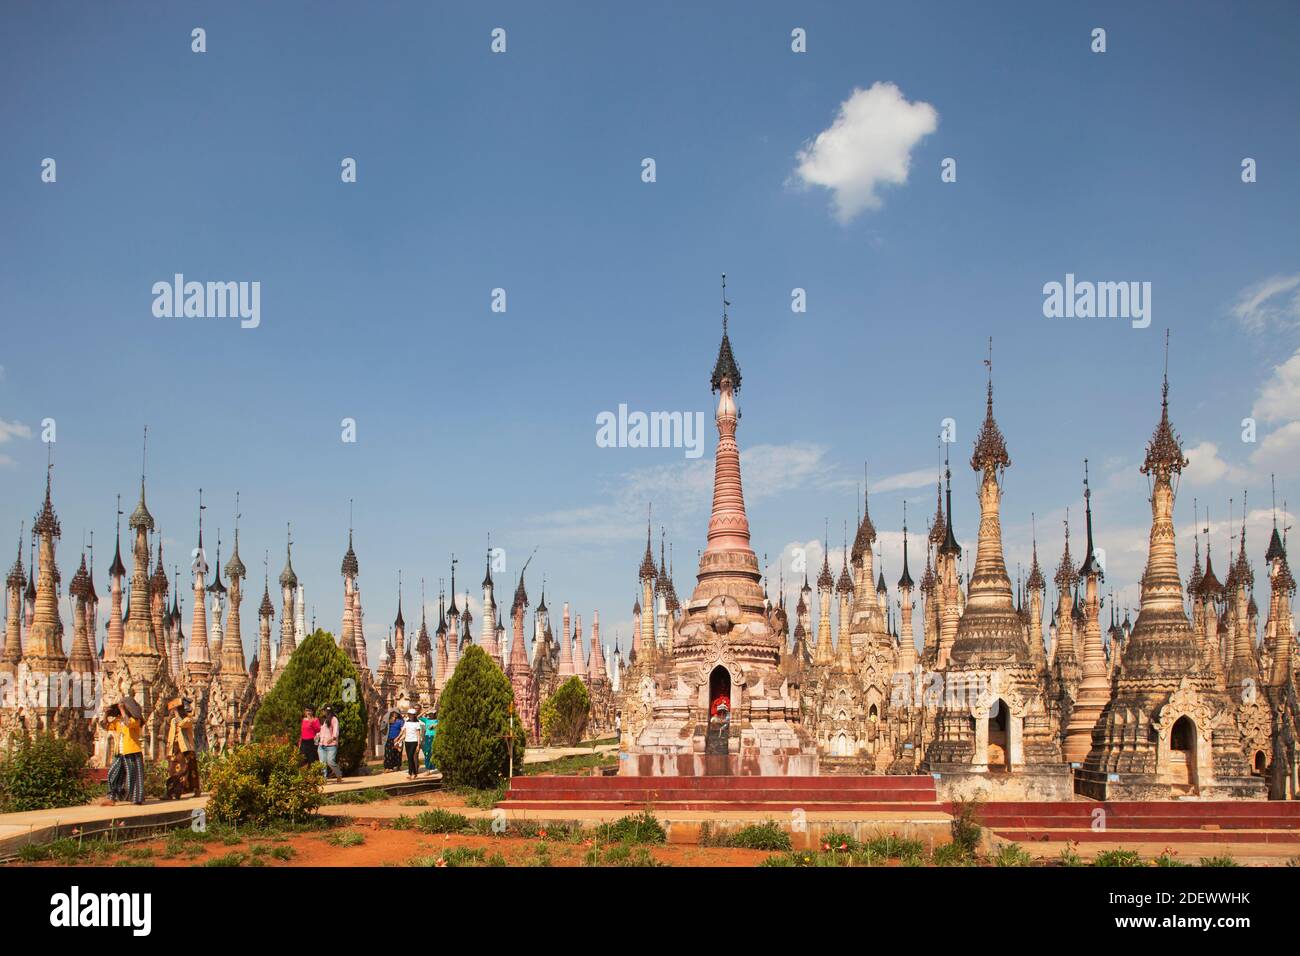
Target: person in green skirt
430	721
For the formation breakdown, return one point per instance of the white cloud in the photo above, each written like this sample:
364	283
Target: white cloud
869	144
10	430
1270	302
1279	450
1279	399
920	478
1206	467
682	489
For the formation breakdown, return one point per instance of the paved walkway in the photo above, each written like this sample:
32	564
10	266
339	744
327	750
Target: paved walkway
43	826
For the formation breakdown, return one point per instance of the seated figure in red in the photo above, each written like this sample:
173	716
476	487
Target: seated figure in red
721	701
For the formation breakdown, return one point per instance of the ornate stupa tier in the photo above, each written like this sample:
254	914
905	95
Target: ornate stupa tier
990	630
728	595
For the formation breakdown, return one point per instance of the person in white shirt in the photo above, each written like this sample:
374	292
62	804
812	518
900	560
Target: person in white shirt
412	737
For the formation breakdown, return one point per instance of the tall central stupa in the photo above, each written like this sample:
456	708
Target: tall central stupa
713	700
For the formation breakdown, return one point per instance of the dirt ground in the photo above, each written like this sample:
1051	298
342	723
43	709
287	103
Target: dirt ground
384	846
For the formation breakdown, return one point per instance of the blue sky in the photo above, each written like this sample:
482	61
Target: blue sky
522	171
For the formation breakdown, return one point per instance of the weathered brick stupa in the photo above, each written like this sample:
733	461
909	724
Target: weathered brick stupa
993	715
710	697
1170	727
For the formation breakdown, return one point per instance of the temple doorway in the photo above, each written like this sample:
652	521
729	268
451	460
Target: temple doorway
719	689
719	726
1261	762
999	738
1182	752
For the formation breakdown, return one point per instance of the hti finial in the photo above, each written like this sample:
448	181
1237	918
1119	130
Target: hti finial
725	303
1165	387
988	363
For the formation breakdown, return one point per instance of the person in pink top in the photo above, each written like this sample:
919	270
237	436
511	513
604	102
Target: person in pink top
307	742
328	743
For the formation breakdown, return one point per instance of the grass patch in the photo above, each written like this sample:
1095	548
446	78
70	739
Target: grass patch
1222	859
346	838
1070	856
808	859
643	827
1168	858
439	820
414	803
768	835
455	856
1012	854
571	765
894	847
67	850
368	795
622	854
1118	858
951	854
230	859
481	799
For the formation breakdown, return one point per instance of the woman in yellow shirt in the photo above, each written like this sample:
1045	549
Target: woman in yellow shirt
125	778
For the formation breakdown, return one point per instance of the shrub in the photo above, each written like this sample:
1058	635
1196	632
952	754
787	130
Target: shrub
43	772
316	675
261	784
230	859
966	830
644	827
768	835
475	715
564	713
1222	859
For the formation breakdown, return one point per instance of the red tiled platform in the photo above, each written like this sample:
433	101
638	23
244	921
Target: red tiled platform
1187	821
863	793
1152	815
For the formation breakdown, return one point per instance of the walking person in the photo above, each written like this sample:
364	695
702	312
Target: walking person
412	735
182	762
307	740
327	743
430	722
392	745
123	718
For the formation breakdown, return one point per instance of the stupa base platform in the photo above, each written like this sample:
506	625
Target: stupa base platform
717	765
1045	782
741	792
1099	785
